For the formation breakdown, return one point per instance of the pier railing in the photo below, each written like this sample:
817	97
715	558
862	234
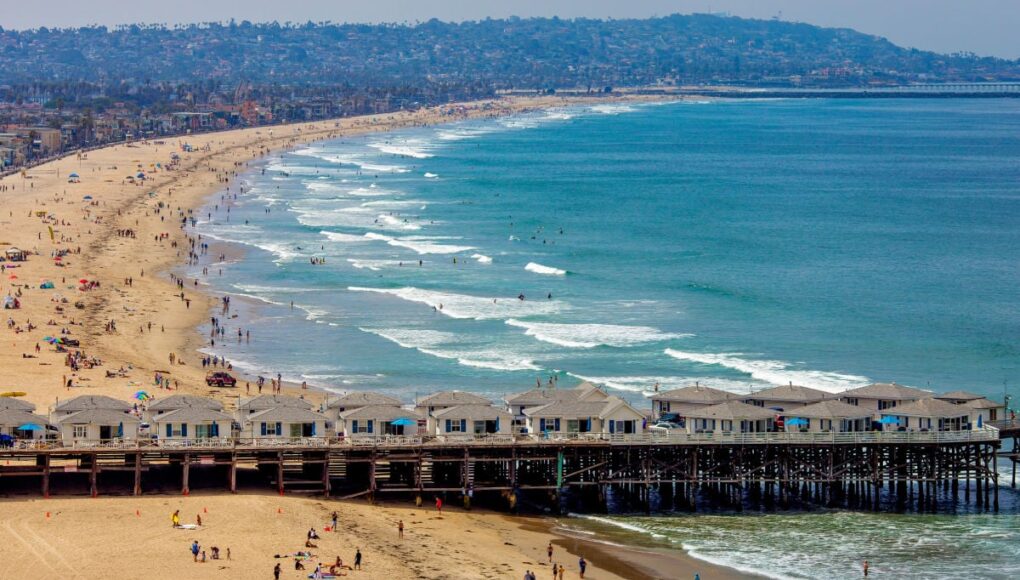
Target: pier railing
985	433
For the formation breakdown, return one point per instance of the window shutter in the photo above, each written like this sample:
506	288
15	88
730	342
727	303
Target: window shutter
612	426
184	429
541	425
557	424
497	424
279	429
313	428
447	425
263	429
169	430
354	426
463	425
214	430
370	425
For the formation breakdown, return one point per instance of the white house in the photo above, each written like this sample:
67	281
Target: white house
287	422
882	396
192	423
929	415
676	403
958	397
358	399
93	425
786	398
519	403
828	416
730	417
470	420
12	421
379	421
611	416
177	402
444	399
985	410
88	402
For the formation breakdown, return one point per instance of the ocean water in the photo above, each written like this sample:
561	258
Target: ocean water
829	243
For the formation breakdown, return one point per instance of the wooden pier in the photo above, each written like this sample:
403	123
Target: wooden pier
869	470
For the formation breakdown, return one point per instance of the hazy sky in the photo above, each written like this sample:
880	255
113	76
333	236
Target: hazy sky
982	26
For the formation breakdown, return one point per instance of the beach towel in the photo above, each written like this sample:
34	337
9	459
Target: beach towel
187	527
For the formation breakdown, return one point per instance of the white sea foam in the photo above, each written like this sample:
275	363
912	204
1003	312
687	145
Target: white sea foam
342	237
283	252
545	270
482	258
406	149
613	109
431	342
464	306
373	265
431	175
592	335
773	371
256	288
422	245
393	222
646	384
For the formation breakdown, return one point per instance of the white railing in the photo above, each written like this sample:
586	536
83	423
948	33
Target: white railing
679	437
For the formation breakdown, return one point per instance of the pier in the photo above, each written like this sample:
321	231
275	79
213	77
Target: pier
888	471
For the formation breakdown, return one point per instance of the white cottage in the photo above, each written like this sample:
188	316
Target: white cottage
928	415
22	424
611	416
882	396
787	398
191	424
731	417
379	421
674	405
470	420
290	422
444	399
357	400
97	425
88	402
519	403
828	416
176	402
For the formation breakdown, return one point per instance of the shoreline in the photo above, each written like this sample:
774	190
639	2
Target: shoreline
136	293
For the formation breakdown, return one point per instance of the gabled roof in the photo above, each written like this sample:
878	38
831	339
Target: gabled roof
600	409
174	402
289	414
791	393
18	404
472	412
928	408
983	403
192	415
831	409
380	413
959	396
92	402
450	398
694	394
17	417
98	417
545	395
886	391
732	410
263	402
363	399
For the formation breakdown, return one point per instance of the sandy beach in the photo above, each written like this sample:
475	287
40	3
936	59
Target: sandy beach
112	291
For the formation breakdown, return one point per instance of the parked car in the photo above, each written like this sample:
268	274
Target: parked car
220	379
664	427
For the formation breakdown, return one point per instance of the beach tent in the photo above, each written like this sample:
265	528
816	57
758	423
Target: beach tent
8	303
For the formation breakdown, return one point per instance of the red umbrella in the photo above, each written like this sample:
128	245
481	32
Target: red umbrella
58	258
83	281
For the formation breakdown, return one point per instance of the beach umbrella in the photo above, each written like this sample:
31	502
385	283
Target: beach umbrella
83	281
32	427
140	175
142	396
73	175
87	197
888	420
404	422
797	421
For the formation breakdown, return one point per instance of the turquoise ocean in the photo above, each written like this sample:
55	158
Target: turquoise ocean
828	243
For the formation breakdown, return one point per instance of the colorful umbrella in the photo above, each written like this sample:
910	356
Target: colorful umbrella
142	396
32	427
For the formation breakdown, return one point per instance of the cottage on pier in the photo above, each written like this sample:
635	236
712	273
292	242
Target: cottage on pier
928	415
882	396
284	422
611	416
357	400
193	423
379	421
177	402
23	424
96	425
470	420
519	403
445	399
828	416
731	417
785	398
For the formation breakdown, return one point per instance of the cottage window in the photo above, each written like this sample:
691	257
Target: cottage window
480	428
882	405
295	430
202	431
80	431
853	401
573	426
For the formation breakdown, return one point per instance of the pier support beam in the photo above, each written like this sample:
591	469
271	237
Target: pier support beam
185	488
138	474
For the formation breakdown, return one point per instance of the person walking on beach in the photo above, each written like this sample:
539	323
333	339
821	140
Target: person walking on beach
400	529
334	518
439	505
549	551
357	559
175	519
194	550
276	571
563	570
582	565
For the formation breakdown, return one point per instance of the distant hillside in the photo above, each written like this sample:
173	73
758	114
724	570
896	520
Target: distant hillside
514	53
